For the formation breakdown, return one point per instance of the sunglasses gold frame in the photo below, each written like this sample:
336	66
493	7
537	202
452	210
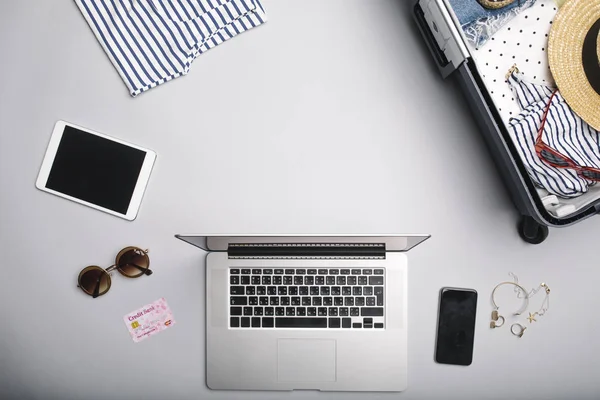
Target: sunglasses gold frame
100	277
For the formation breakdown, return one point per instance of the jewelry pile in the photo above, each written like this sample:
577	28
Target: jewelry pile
518	329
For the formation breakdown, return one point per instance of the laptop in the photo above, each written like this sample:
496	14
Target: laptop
306	312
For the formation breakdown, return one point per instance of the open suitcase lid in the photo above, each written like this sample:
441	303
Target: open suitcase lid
447	43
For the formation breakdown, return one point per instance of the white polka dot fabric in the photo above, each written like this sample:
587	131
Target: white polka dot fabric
523	41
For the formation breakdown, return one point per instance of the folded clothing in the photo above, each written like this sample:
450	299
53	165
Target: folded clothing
564	131
480	23
153	41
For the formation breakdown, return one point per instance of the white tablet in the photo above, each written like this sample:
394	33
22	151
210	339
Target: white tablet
96	170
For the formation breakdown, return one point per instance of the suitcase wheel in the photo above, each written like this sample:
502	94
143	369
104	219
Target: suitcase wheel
532	231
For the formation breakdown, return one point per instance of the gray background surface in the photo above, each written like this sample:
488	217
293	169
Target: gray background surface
329	118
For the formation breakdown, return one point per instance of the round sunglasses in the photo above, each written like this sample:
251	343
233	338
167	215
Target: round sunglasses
558	160
132	262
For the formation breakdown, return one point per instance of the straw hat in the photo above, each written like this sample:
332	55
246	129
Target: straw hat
574	57
495	4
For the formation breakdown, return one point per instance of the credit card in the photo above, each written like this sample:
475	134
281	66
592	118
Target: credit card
149	320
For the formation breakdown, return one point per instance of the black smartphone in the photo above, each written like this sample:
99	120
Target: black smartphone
456	326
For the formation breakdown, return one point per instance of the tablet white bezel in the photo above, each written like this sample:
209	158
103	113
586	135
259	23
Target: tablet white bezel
140	185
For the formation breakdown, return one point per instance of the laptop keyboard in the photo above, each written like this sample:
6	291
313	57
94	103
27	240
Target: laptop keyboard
306	298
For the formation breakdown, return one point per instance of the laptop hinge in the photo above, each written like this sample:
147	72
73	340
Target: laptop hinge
307	250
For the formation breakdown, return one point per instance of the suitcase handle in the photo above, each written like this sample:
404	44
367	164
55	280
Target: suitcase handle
435	50
441	35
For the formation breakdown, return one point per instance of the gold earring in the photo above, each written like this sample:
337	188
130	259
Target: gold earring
495	318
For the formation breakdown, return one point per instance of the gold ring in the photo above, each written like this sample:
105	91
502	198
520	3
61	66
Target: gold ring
519	331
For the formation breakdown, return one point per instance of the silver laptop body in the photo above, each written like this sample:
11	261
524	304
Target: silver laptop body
306	312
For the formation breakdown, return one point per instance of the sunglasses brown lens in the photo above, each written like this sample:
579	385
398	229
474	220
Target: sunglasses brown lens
591	174
554	159
133	263
94	281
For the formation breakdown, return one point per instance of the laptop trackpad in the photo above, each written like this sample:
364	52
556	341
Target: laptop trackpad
306	360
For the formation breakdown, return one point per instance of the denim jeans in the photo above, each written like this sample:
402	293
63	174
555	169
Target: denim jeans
479	23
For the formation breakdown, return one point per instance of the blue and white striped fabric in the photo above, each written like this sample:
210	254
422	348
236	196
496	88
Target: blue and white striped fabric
153	41
564	131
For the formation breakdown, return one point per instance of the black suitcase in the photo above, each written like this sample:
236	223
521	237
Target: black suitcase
442	34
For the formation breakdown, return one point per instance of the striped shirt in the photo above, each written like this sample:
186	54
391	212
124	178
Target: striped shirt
153	41
564	131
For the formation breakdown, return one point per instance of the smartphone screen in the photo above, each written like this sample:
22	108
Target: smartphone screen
456	326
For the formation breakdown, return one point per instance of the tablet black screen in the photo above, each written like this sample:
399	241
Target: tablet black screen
95	169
